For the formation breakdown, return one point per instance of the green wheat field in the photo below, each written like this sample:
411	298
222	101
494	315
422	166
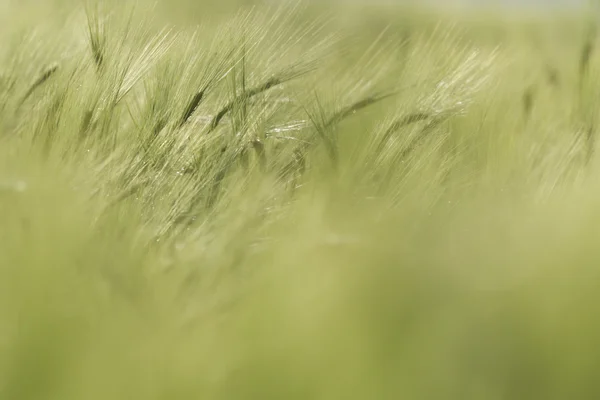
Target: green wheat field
225	200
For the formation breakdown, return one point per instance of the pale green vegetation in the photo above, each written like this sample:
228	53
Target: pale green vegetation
216	202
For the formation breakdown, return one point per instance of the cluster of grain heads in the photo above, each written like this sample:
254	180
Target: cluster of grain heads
448	99
252	71
193	96
324	123
236	150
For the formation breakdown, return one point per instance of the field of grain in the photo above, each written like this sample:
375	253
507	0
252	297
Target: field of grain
214	200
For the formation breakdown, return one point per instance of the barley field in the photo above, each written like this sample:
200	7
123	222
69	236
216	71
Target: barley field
327	200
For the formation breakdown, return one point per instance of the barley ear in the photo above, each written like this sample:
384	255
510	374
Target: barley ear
97	39
41	79
191	108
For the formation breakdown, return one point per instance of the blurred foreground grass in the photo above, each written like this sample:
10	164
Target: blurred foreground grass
295	202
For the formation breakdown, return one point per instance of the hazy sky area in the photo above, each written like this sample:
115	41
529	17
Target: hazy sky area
501	3
538	3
